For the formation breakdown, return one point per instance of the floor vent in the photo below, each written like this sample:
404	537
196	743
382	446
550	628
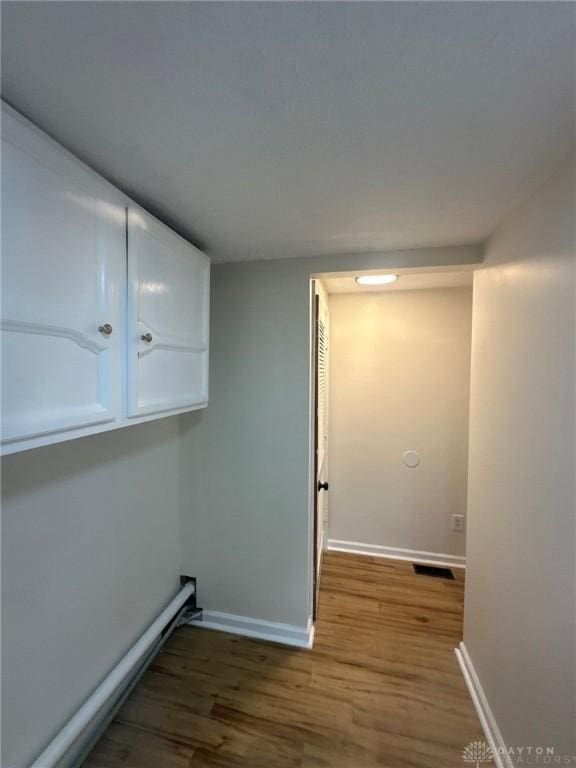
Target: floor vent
433	570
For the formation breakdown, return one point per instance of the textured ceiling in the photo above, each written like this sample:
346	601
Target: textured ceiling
264	130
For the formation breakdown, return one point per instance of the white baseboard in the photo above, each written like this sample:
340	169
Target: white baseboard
287	634
485	714
396	553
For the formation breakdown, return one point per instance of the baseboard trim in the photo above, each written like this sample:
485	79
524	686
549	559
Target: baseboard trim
396	553
485	715
287	634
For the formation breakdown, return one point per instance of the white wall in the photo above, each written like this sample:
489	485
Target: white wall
399	380
90	555
246	523
520	588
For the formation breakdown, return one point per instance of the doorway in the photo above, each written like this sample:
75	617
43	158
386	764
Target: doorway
390	374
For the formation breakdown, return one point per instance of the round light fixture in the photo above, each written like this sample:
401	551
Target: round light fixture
376	279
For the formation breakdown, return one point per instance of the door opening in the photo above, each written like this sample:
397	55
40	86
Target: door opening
389	380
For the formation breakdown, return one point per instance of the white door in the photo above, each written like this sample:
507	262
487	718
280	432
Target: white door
322	416
321	363
168	306
63	253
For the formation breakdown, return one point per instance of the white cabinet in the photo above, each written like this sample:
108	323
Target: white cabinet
77	298
168	300
63	254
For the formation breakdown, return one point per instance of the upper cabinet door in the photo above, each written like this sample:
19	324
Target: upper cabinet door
168	310
64	251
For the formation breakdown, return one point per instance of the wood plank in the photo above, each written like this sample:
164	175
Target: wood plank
381	688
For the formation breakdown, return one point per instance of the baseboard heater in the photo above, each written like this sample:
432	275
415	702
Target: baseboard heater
73	743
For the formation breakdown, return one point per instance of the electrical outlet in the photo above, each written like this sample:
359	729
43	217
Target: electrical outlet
458	523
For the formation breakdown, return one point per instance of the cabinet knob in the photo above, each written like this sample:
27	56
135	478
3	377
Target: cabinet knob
146	337
323	486
105	329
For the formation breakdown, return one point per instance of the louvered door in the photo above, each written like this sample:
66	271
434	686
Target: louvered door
322	444
321	399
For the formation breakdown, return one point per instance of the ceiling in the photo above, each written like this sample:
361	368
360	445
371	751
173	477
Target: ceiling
264	130
408	281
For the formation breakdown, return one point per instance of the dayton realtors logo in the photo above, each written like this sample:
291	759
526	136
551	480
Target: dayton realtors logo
477	752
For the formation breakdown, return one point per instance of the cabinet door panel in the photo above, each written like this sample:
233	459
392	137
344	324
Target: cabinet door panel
168	304
63	250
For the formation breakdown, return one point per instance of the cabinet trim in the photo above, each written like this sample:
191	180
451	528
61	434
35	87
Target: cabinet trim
58	331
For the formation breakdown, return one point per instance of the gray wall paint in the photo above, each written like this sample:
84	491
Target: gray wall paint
90	555
90	539
245	530
245	463
399	380
520	587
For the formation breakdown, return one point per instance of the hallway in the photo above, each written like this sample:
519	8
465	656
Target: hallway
380	688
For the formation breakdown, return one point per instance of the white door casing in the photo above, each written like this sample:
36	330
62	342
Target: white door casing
168	319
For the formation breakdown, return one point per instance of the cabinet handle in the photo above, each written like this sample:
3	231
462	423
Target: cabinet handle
146	337
106	329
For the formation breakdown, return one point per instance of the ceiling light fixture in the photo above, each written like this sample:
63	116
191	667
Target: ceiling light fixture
376	279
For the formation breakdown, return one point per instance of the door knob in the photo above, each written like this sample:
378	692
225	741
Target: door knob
322	486
105	329
146	337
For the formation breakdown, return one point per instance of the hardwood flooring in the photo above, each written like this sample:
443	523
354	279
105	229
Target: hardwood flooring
380	688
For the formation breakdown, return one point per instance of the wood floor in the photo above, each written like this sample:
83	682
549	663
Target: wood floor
380	688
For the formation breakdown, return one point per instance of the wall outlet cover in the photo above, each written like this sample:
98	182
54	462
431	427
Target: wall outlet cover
457	522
